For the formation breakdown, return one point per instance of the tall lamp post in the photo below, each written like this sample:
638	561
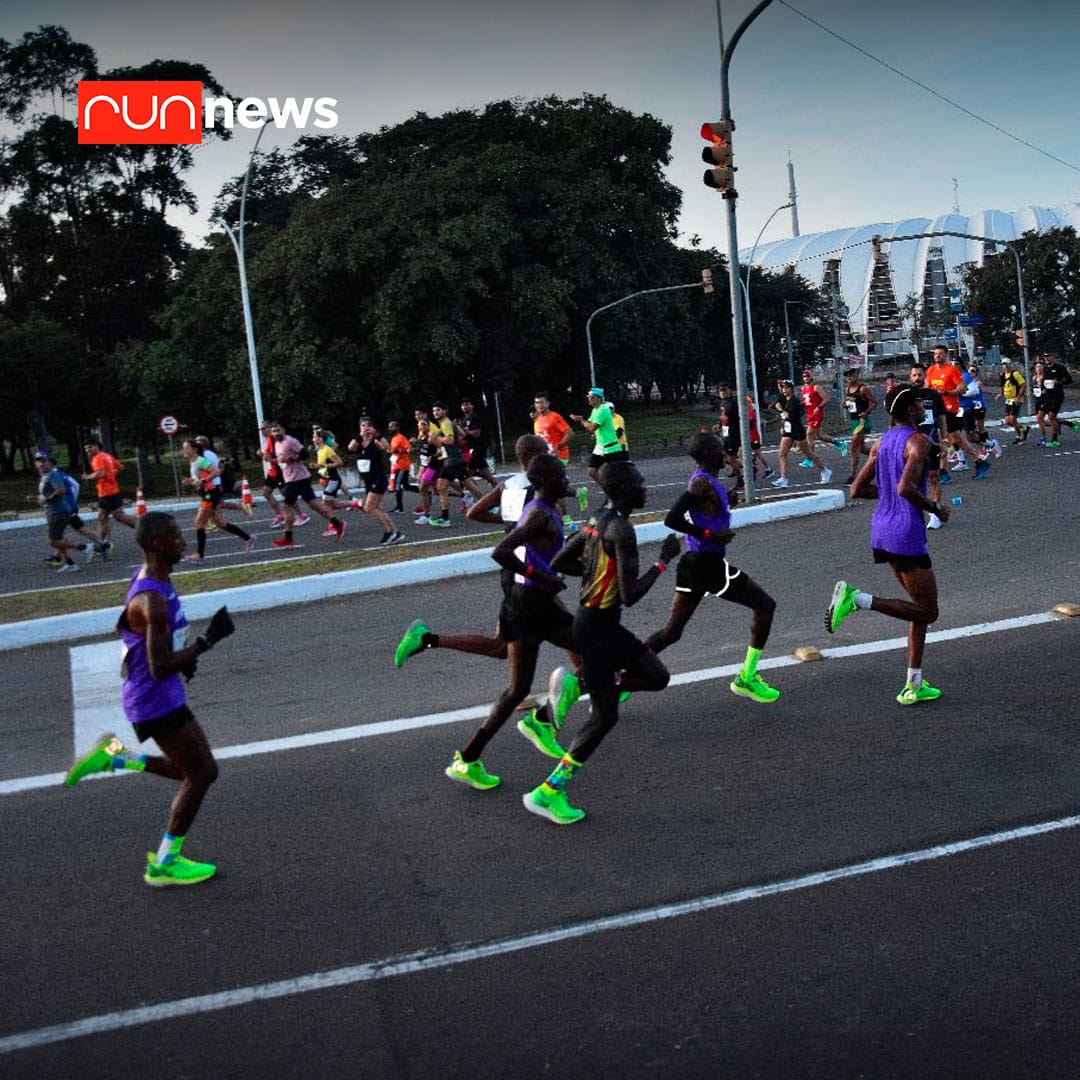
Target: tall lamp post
787	336
236	238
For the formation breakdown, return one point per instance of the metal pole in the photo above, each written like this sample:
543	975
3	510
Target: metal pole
790	347
498	422
730	198
237	240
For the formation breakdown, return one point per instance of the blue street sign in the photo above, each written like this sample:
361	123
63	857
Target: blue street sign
950	333
956	302
971	320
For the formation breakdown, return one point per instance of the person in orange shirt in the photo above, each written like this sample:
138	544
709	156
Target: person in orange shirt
551	427
104	469
400	465
948	380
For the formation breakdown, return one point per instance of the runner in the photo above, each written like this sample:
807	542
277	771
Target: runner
814	399
974	402
371	460
1012	390
55	498
452	469
702	513
428	457
551	427
947	379
154	633
602	427
615	662
932	425
273	480
202	444
476	444
400	466
289	455
895	475
328	466
205	479
793	433
104	468
729	432
1055	378
531	613
859	403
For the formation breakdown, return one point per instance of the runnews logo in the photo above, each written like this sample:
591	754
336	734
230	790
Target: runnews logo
174	113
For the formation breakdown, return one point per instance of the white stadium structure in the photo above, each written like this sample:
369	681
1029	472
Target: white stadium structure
841	264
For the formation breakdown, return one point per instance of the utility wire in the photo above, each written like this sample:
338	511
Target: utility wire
931	90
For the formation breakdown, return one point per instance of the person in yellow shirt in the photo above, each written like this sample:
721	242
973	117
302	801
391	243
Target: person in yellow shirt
1012	390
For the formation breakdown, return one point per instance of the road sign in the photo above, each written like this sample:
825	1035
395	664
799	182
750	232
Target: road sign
971	320
949	333
168	425
956	301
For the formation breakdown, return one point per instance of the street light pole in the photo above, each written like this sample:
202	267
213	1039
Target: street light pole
734	277
237	240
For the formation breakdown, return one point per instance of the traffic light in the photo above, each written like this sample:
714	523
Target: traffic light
1021	338
875	245
706	282
718	154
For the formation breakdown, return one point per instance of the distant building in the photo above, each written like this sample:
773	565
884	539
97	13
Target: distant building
841	263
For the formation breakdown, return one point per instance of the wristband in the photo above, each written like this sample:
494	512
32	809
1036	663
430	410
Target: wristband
529	570
706	534
659	567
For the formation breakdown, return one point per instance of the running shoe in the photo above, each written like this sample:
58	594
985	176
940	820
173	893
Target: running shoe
841	605
850	480
1053	444
396	538
106	549
196	557
755	687
911	695
278	522
68	568
540	734
567	523
767	473
385	538
564	689
421	519
88	552
439	522
982	469
98	758
283	542
393	510
468	500
781	482
826	475
1024	432
1041	442
329	530
339	530
53	560
995	448
249	545
842	445
177	871
411	643
472	773
552	805
961	466
806	463
302	519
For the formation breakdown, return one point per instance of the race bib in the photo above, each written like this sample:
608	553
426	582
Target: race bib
394	460
927	418
364	465
852	407
725	431
959	410
787	427
1049	384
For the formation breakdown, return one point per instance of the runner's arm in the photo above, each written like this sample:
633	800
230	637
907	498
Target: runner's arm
482	509
864	486
148	615
570	559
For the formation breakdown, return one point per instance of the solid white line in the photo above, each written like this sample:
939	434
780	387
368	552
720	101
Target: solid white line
433	960
478	712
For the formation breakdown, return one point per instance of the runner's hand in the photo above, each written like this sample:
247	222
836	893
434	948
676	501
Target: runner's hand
220	626
669	548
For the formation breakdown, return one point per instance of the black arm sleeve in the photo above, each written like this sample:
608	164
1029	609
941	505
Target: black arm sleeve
677	516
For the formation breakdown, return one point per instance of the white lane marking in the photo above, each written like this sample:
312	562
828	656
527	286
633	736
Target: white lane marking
434	959
389	727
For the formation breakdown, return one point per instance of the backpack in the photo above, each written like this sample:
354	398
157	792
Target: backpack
71	485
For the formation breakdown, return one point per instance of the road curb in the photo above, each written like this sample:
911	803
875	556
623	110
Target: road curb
271	594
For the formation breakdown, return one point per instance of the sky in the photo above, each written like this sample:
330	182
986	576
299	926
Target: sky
866	144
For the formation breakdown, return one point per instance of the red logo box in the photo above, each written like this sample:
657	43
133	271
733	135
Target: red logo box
140	113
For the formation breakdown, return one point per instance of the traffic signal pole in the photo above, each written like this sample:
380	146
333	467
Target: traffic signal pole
737	324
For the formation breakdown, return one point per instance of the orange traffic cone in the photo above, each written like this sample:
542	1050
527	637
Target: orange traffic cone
246	501
140	503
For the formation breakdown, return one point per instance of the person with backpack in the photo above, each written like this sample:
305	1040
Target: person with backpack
1012	390
55	498
104	470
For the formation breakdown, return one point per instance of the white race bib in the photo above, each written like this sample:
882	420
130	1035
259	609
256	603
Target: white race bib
787	427
364	465
1049	384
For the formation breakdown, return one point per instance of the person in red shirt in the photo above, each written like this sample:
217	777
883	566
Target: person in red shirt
104	469
948	380
814	400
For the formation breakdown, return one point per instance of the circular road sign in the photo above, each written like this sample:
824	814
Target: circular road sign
168	425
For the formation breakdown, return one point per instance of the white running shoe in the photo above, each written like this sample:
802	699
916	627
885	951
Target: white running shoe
781	482
826	475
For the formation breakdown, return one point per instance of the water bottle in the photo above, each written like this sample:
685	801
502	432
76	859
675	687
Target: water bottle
957	500
583	498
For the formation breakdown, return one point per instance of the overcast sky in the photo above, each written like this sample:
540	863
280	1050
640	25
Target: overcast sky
867	145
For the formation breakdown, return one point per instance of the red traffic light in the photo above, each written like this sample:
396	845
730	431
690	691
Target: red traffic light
718	154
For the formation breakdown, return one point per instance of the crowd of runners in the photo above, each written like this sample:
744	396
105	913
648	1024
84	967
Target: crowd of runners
935	423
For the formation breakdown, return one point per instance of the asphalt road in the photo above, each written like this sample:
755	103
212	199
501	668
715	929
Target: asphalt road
719	912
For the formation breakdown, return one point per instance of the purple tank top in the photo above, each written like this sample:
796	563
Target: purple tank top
529	555
720	520
144	697
897	526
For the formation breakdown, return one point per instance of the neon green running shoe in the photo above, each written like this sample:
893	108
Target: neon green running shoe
551	805
472	773
411	643
98	758
755	687
564	689
912	695
177	871
541	735
841	605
